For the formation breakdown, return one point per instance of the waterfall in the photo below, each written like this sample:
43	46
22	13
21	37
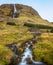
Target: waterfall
28	54
14	11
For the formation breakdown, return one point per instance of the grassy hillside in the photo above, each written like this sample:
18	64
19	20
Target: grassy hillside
16	30
25	14
44	46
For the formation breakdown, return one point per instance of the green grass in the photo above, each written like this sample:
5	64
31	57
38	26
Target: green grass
10	29
44	50
40	26
5	55
9	35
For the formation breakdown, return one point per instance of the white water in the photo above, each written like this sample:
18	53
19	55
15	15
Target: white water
28	54
15	10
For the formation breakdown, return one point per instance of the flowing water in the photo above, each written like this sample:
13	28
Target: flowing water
28	54
15	11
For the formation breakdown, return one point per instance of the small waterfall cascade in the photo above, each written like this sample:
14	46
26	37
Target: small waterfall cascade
26	58
14	11
28	54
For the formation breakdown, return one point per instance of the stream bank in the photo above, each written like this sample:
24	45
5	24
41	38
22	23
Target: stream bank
24	57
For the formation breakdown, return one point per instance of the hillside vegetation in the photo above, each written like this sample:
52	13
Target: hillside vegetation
16	30
44	48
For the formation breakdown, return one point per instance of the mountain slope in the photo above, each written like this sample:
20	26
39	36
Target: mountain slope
25	14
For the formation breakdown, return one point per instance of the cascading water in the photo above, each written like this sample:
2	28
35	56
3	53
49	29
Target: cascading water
14	11
28	54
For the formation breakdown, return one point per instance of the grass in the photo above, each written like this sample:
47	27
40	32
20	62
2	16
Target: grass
5	55
18	33
44	49
10	38
15	30
38	26
8	35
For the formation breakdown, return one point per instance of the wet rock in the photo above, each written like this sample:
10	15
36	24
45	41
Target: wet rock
29	61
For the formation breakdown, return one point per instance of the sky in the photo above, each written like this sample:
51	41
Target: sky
44	7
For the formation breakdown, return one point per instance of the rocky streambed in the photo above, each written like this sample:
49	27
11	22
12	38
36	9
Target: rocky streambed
23	54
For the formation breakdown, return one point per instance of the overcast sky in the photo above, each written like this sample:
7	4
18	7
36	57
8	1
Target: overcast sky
44	7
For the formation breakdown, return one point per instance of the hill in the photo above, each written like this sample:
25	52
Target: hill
16	28
25	13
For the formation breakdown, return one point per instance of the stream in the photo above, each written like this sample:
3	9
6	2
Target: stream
15	11
27	58
28	54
